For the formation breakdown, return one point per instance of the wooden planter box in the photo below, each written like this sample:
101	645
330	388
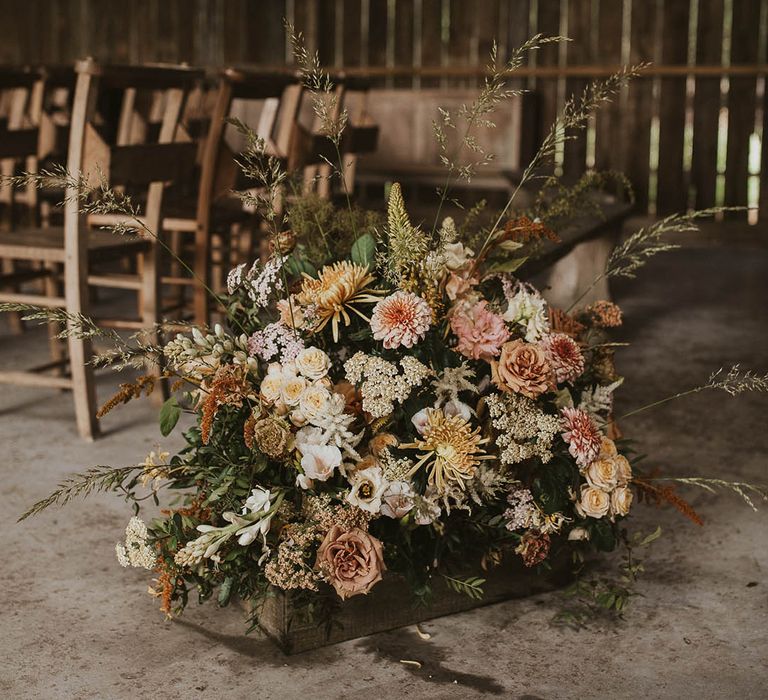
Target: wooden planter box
389	605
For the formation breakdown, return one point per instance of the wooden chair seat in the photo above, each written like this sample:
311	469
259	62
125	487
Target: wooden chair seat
47	244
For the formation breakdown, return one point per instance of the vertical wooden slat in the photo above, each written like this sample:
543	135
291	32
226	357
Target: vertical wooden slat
404	28
579	52
637	129
741	100
185	22
463	28
326	31
517	17
549	24
234	23
431	41
350	50
672	190
377	33
609	136
264	36
706	103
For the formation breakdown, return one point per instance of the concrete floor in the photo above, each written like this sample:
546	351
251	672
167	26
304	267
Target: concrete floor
75	625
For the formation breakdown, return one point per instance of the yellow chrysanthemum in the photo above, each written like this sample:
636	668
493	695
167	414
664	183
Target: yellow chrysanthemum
451	450
334	293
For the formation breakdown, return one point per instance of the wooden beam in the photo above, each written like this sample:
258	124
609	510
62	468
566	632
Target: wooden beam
33	299
32	379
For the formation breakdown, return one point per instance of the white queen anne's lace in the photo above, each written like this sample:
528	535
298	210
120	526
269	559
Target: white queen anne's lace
524	430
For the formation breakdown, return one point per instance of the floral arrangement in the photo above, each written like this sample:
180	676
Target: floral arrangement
402	404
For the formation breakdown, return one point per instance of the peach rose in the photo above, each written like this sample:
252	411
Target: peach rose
593	503
352	559
603	474
522	368
621	501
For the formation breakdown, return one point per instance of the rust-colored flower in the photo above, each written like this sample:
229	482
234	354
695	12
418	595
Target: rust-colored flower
352	560
561	322
522	368
534	547
604	314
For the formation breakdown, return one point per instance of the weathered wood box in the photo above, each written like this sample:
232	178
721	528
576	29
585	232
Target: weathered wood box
389	605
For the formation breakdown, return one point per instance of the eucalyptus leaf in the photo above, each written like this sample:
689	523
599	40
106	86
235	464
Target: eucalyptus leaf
364	250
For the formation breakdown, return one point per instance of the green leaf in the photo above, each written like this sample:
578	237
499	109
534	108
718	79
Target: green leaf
296	266
650	538
510	265
169	416
225	591
364	250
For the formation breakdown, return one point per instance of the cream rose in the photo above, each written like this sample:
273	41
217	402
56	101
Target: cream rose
603	474
292	389
314	401
623	470
352	560
270	388
621	500
593	503
313	363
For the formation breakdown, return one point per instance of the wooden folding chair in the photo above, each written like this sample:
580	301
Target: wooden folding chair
82	243
21	92
216	212
312	150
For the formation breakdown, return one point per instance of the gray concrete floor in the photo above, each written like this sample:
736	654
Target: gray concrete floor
75	625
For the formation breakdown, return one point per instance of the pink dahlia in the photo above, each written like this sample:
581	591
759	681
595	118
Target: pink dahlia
564	356
480	332
581	434
401	319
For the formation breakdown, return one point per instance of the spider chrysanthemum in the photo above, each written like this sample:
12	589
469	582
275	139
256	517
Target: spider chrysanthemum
335	293
451	450
403	318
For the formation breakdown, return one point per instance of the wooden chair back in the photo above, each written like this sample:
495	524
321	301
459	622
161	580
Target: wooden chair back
21	95
280	96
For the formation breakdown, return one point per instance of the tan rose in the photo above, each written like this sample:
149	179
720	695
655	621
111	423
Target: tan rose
313	363
352	559
621	500
593	503
270	387
623	470
603	474
522	368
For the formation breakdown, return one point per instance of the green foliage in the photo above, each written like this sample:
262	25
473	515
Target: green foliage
364	250
169	416
472	587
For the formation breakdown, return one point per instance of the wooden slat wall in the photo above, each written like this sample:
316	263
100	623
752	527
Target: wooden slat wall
682	140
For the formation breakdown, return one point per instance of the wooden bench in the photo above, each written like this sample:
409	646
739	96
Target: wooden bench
408	153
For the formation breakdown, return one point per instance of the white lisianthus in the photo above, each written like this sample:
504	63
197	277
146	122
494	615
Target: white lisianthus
397	500
578	534
320	461
528	310
304	482
368	486
313	363
420	420
455	407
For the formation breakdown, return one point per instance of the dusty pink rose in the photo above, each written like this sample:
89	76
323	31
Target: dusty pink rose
522	368
352	559
480	332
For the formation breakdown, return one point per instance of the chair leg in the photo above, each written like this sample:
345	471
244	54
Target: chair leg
53	289
149	299
14	319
